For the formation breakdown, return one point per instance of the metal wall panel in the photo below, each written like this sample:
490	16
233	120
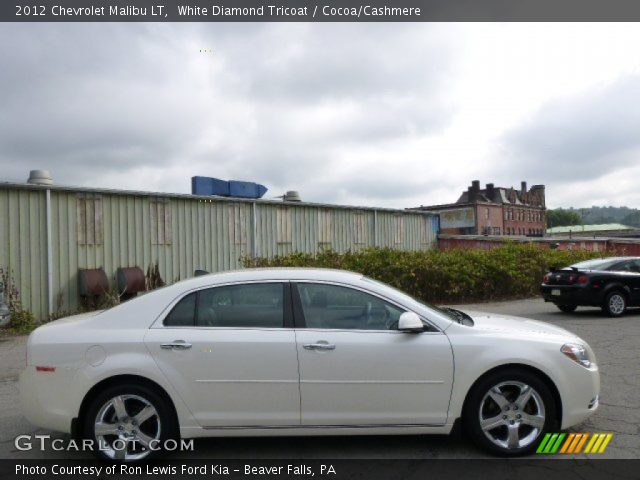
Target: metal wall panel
179	233
23	245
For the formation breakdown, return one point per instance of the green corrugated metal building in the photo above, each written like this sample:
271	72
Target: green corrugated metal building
48	233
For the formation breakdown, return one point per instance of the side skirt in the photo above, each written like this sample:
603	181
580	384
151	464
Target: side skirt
318	430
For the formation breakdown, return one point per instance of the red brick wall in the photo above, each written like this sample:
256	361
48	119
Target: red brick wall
523	220
489	218
616	246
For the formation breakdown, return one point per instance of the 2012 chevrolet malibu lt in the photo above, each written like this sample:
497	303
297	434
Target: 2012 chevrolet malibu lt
301	352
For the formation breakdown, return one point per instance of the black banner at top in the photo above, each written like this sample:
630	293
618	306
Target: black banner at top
318	10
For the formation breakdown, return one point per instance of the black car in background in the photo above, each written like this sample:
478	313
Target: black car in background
612	284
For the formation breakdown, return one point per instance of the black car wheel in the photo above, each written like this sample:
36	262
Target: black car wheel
567	308
615	304
508	412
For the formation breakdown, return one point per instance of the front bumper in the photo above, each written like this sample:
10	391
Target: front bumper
580	395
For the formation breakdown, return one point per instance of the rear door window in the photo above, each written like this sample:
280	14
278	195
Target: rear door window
259	305
183	313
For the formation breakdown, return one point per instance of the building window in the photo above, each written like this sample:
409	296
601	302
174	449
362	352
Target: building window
488	213
283	224
325	226
360	228
89	219
496	230
398	229
238	224
506	214
426	230
160	210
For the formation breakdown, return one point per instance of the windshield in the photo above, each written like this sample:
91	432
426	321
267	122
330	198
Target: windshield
597	264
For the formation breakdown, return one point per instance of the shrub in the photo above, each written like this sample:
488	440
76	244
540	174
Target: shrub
437	276
22	320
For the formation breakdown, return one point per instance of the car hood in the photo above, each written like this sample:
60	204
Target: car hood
493	322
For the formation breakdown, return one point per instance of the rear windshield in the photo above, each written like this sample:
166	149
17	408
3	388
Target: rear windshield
598	264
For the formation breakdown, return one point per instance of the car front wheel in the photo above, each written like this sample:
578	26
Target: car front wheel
507	412
129	423
615	304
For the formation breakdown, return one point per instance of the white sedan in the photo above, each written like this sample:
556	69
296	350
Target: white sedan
301	352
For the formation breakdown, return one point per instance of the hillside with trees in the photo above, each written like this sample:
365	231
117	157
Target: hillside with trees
560	217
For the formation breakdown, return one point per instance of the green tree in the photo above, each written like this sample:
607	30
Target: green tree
632	219
560	217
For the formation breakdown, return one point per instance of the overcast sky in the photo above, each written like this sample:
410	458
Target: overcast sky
393	115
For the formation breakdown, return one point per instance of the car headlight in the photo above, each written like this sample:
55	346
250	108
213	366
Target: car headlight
578	353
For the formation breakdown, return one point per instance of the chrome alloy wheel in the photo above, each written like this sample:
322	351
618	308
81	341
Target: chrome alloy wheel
616	304
126	426
512	415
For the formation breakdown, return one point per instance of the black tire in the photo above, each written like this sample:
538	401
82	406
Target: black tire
161	427
479	405
615	304
567	308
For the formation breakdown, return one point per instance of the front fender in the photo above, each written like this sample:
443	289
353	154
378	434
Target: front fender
475	355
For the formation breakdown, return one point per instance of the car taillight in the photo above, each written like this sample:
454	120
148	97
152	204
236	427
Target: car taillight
583	279
546	278
45	368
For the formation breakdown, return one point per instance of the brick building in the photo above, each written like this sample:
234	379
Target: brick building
494	211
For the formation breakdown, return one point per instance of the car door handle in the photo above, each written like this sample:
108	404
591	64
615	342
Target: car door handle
176	345
319	346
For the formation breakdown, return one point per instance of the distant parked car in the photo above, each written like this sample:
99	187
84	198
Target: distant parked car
612	284
301	352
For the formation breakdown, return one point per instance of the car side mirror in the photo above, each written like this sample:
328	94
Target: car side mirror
410	322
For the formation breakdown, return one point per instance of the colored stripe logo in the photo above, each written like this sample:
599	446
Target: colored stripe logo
574	443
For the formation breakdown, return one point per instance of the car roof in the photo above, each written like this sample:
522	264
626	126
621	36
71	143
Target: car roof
610	259
276	273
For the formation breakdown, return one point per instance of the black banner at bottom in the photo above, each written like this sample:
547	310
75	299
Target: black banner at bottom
327	469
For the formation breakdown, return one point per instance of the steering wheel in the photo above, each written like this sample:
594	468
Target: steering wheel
371	316
392	324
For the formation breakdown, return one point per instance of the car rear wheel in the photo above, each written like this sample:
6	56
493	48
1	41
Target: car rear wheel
507	412
567	308
128	423
615	304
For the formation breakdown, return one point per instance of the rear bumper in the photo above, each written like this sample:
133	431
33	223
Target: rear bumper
571	295
45	399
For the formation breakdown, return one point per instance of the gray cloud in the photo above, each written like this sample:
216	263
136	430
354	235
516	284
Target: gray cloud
579	138
279	104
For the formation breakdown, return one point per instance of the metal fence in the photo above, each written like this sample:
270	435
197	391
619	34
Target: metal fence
48	233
